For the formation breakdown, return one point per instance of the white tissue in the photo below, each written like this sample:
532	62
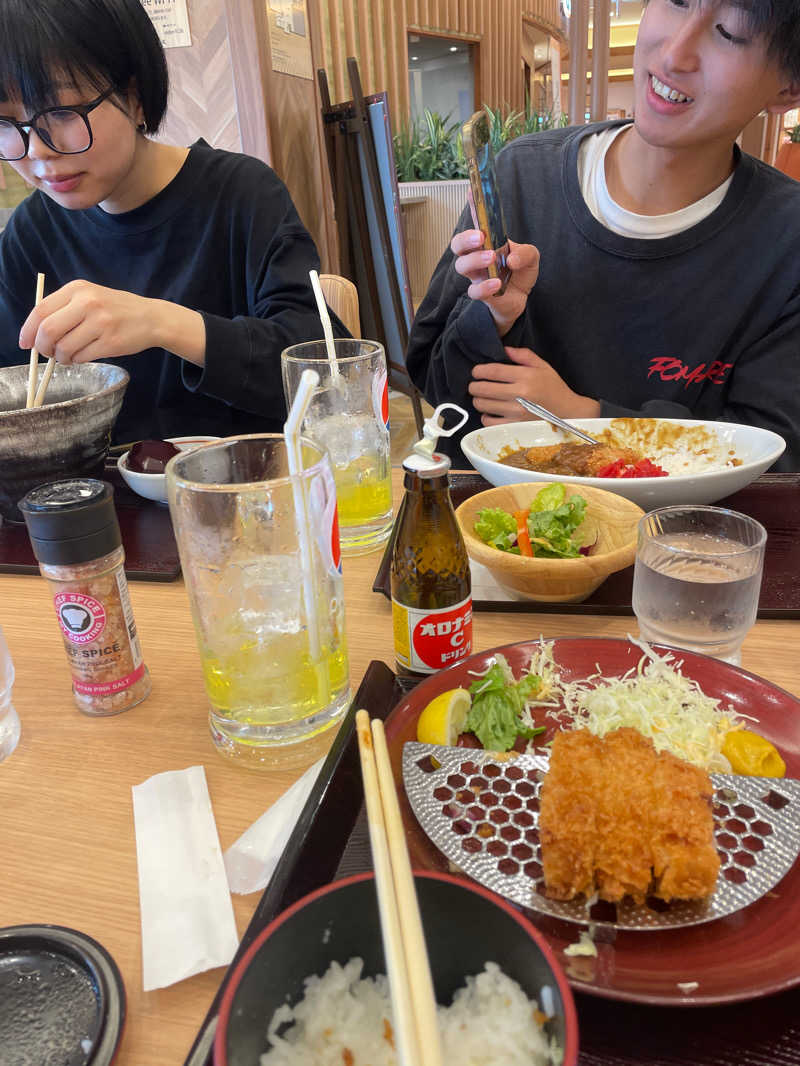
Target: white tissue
251	861
186	909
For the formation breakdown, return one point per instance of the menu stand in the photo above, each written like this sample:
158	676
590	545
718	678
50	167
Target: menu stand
369	221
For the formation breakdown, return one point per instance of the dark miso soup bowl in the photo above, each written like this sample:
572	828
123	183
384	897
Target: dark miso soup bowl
465	926
68	436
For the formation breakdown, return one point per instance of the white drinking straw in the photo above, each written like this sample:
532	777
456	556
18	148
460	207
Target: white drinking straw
322	307
309	380
34	357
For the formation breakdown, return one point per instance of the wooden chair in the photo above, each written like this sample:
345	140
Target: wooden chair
341	296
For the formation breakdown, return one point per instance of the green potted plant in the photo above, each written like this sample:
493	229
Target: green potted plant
788	158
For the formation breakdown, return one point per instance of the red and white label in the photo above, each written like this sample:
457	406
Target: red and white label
324	519
108	688
380	398
437	638
82	618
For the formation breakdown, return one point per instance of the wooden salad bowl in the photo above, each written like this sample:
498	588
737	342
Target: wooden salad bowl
610	521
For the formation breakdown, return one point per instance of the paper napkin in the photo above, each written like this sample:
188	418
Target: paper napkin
251	861
186	909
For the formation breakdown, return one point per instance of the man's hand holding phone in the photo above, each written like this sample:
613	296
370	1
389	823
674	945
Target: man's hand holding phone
472	260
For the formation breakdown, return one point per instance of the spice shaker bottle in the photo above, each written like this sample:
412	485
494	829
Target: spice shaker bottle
75	536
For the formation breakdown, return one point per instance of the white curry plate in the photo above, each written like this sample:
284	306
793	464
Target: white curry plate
756	449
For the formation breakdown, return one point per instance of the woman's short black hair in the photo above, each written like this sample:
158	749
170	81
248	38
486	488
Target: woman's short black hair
107	43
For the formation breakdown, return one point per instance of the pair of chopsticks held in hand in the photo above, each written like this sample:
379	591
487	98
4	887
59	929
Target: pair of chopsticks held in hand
36	396
410	982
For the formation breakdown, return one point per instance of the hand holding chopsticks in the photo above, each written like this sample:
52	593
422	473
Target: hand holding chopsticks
407	964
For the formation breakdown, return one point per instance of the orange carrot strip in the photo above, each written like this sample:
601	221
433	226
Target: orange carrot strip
523	537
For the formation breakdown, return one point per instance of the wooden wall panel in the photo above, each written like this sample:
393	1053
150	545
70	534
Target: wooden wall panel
202	100
379	43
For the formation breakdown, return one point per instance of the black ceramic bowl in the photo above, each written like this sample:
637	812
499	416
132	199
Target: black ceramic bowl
68	436
465	927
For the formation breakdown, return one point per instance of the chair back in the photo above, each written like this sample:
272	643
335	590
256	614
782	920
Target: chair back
341	296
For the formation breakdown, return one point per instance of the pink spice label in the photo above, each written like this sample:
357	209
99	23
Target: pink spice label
82	618
108	688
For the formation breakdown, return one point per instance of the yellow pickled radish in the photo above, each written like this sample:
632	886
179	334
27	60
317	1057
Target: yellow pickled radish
444	717
751	754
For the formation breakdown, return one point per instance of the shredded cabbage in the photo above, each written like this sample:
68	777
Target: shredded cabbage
653	697
658	701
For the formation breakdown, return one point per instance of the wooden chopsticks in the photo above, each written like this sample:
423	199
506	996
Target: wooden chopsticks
410	981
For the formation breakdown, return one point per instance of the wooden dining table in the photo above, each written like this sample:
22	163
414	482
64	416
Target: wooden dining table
67	839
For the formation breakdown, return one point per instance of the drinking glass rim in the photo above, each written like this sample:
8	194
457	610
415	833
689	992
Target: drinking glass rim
643	530
237	486
288	356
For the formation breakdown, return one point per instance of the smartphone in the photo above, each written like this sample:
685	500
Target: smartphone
484	195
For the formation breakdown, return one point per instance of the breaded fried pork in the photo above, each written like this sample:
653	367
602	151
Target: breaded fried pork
567	815
619	819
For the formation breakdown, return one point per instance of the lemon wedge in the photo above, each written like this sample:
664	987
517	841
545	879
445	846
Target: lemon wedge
444	717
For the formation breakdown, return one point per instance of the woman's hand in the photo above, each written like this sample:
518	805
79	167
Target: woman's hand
81	322
471	262
495	387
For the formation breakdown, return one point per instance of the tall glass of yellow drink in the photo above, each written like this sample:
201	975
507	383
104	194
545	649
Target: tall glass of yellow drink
349	417
260	556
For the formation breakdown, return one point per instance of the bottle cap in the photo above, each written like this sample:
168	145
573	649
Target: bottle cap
71	522
424	460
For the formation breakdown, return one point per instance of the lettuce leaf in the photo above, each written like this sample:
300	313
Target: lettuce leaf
497	703
552	520
551	531
496	527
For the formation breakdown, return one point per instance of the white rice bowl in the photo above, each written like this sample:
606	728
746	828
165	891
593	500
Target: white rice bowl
706	461
491	1022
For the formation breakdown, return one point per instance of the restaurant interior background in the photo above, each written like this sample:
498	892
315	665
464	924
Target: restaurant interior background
248	82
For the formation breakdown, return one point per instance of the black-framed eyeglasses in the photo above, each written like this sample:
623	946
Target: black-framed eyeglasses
65	130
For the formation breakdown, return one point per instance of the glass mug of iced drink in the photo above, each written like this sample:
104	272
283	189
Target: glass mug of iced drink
349	416
697	578
260	556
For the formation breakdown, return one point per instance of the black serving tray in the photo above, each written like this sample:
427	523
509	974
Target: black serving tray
331	840
773	499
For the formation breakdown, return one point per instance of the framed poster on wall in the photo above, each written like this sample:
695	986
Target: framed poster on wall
289	40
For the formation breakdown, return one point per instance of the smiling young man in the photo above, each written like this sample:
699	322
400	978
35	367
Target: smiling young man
656	267
189	265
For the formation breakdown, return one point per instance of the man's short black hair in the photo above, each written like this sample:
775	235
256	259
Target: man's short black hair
106	43
778	22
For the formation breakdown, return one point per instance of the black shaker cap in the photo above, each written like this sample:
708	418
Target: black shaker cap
71	522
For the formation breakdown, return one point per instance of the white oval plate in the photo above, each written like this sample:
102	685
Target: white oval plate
756	448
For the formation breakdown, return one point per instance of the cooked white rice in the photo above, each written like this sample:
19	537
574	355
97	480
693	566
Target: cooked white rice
678	449
346	1019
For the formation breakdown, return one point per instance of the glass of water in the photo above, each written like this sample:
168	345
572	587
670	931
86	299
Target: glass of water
349	417
697	578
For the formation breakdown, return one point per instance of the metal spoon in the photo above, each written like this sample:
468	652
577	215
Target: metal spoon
548	416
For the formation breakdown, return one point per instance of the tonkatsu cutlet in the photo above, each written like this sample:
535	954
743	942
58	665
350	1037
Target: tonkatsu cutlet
567	815
619	819
685	860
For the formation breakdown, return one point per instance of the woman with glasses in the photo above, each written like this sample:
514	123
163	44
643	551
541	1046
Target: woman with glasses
189	265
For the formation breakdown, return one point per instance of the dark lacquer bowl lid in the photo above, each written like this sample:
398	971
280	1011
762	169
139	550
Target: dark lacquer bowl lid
61	997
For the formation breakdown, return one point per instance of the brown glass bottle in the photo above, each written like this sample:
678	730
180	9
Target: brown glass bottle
430	580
